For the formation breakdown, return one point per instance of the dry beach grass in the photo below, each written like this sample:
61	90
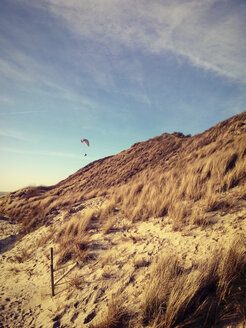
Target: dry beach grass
210	292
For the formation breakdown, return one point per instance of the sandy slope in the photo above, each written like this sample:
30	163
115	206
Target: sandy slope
119	267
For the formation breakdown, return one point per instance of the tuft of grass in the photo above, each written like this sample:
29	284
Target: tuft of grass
108	226
76	281
215	203
163	276
179	212
22	256
209	295
117	315
76	225
73	238
107	209
73	248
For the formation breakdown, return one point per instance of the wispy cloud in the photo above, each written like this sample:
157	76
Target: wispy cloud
107	41
38	153
18	66
41	79
15	134
210	34
22	113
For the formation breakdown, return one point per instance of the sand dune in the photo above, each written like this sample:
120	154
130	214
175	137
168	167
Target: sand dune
151	237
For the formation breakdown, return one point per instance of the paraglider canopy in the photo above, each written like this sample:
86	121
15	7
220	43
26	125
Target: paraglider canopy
85	141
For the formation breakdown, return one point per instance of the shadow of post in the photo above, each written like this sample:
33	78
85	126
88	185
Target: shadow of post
7	243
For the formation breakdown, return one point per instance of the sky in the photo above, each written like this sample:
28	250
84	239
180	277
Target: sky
115	72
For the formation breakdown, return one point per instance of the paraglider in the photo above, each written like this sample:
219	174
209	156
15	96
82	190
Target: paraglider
86	141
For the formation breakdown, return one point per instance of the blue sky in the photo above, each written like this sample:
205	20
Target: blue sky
115	72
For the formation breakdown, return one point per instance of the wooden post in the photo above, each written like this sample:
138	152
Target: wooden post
52	272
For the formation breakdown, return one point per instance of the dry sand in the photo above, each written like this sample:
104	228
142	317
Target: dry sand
119	267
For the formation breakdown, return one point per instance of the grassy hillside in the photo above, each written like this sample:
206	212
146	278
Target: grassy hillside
183	177
157	232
